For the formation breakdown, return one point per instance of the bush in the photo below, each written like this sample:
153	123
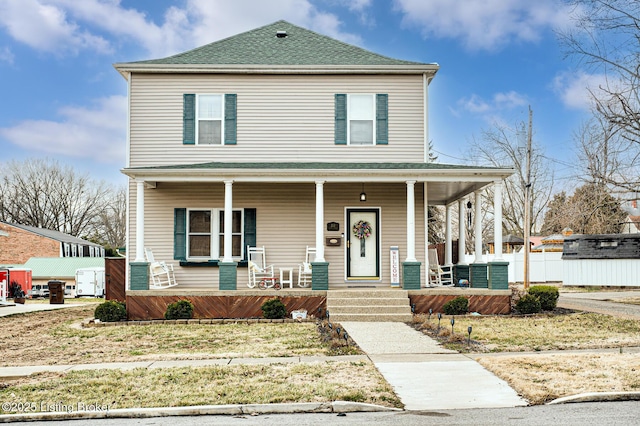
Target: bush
528	304
111	311
274	309
547	295
457	306
182	309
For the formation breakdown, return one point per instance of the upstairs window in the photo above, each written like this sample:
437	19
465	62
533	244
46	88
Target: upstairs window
361	119
209	119
209	124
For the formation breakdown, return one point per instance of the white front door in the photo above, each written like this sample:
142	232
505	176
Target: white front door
363	248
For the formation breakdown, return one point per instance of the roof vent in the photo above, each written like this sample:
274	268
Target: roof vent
281	34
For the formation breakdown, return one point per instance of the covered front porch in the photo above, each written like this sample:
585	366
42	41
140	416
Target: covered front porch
325	200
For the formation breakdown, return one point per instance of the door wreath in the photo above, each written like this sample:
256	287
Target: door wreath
362	231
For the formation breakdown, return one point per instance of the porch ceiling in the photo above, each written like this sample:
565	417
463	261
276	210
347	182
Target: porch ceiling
445	182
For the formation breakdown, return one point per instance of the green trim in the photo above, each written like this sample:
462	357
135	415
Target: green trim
228	276
180	234
250	234
189	119
411	275
213	263
320	276
340	119
382	119
230	125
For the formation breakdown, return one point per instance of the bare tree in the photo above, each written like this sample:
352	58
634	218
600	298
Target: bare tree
505	147
606	37
45	194
110	227
590	210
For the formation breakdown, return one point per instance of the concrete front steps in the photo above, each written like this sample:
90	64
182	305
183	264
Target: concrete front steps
369	305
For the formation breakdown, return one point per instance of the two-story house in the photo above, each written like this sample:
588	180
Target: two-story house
286	139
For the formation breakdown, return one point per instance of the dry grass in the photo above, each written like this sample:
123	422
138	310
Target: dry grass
537	332
241	384
542	378
54	337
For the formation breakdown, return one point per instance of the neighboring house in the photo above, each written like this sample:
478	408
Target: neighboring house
631	225
45	269
296	138
19	243
553	243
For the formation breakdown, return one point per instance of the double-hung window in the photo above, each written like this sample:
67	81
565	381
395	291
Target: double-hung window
209	119
361	119
210	123
205	234
361	113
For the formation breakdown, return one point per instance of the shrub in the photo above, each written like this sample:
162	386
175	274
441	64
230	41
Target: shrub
457	306
182	309
528	304
111	311
274	309
547	295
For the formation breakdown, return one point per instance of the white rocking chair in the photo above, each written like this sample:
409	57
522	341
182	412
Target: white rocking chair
439	275
304	269
258	268
161	273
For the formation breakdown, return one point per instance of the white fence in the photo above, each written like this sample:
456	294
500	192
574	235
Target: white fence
543	267
602	272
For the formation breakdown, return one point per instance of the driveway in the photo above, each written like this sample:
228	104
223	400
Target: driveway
602	303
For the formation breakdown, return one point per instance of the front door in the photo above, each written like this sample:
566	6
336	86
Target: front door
363	244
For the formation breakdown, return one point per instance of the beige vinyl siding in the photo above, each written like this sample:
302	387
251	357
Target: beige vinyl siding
285	223
279	118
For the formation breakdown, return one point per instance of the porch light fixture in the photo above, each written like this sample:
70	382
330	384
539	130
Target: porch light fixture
363	195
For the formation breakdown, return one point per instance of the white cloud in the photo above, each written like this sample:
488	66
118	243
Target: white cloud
574	88
96	133
46	27
67	26
499	102
6	55
485	25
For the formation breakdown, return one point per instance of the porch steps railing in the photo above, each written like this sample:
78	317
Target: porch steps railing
369	305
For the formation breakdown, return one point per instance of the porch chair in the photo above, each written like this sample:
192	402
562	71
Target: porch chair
258	268
161	273
304	269
438	274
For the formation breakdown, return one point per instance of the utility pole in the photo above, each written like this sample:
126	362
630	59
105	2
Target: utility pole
527	206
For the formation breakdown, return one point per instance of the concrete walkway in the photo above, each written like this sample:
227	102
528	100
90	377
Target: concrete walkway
426	376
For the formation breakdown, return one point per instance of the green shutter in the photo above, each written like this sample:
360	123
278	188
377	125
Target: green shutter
382	120
189	119
230	102
341	119
249	229
180	234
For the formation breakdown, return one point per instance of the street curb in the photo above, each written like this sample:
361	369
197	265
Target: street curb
203	410
597	397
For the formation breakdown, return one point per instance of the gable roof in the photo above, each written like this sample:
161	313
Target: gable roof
295	47
60	267
54	235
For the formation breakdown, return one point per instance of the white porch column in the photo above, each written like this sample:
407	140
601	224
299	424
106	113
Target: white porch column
139	221
478	227
228	222
448	246
426	231
462	234
497	219
319	221
411	221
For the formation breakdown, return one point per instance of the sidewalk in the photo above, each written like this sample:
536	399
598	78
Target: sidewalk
10	308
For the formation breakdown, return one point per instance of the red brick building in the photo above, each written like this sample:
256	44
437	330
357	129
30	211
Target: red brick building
19	243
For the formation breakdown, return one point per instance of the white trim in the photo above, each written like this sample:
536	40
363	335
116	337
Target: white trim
373	118
222	115
215	251
347	236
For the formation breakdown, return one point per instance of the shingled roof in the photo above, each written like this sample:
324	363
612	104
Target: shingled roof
278	44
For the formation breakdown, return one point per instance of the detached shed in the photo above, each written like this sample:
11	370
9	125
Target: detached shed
602	260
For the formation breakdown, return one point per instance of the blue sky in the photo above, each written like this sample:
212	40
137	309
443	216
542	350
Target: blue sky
62	99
